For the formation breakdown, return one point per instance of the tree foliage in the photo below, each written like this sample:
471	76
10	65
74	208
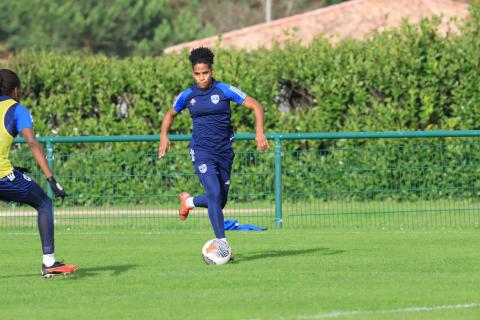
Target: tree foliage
127	27
121	27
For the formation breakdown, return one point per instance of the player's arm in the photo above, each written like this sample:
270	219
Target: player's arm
260	138
36	150
39	156
166	124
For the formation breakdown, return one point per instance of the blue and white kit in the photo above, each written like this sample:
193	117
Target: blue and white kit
211	145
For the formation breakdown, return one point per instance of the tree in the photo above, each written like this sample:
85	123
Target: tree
120	27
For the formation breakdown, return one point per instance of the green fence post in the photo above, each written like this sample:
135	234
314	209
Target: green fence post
278	182
49	149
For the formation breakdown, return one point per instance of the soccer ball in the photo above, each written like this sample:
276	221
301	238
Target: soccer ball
216	251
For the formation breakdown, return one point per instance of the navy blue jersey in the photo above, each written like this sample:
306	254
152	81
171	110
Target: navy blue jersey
210	111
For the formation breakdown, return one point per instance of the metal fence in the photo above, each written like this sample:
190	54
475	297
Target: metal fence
388	179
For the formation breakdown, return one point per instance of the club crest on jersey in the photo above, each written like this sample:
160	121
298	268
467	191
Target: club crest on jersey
202	168
215	98
192	102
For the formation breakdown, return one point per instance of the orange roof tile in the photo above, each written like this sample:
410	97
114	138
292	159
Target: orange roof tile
355	19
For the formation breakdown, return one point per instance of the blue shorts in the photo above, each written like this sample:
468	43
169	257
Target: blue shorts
18	187
210	164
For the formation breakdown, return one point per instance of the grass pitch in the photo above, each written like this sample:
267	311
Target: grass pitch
278	274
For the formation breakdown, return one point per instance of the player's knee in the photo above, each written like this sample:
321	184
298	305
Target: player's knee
214	195
46	205
224	202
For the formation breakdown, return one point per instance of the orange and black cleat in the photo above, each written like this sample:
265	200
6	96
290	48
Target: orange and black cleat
184	210
58	268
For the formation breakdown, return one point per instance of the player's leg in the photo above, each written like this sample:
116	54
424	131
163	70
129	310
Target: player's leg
38	199
187	202
207	172
224	173
213	190
224	166
18	187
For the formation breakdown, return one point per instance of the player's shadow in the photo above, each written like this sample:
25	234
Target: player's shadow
84	272
287	253
104	270
28	275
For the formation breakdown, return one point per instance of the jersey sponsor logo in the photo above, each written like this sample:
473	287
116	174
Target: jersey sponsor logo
215	98
239	92
192	102
202	168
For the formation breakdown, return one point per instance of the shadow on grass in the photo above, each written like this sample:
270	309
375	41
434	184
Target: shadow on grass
286	253
30	275
82	272
96	271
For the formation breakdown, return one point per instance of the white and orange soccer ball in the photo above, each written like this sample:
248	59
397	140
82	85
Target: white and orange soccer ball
216	251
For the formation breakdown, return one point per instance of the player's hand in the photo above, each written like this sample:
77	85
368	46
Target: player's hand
56	188
262	142
164	146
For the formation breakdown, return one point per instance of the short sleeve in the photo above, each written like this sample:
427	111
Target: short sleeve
23	118
233	93
180	101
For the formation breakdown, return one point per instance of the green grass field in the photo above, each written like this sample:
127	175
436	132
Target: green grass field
340	273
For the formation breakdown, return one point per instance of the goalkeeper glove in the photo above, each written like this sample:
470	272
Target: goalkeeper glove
56	188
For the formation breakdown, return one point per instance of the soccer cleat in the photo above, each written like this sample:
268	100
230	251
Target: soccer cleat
184	210
232	257
58	268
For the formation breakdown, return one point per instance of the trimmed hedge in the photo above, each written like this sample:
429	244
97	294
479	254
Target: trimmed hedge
405	79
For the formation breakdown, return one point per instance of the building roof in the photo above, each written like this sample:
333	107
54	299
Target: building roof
351	19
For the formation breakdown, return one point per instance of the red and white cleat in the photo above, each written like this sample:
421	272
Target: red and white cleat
58	268
184	210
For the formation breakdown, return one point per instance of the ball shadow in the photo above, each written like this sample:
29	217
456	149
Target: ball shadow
285	253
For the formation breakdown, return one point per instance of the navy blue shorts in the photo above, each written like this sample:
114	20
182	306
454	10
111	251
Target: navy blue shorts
208	164
18	187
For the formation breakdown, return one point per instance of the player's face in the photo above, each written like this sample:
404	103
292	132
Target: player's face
202	75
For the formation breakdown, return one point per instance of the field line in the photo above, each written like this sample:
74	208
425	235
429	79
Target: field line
339	314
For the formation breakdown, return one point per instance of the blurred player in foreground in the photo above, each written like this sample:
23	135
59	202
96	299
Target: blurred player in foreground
15	185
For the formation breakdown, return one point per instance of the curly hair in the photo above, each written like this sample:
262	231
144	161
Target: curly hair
201	55
8	82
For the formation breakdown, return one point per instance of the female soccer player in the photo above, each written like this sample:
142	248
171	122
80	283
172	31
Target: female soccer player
15	185
212	136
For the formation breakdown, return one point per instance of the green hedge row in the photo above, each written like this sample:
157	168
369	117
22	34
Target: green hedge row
405	79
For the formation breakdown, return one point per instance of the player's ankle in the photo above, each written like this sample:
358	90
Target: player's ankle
189	203
49	259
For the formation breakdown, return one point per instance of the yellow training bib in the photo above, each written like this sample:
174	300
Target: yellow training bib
6	139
